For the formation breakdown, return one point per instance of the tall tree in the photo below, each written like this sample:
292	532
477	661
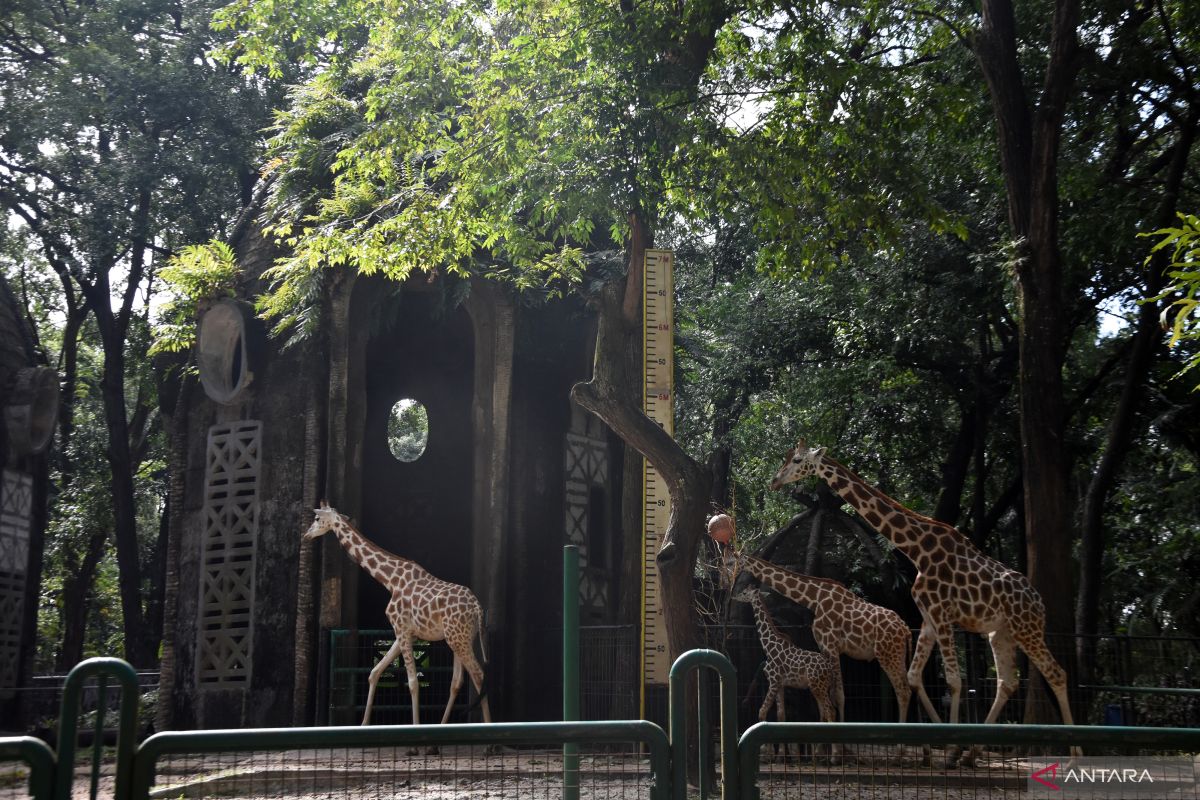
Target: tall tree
122	138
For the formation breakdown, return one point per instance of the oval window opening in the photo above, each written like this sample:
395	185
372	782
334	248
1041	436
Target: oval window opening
408	430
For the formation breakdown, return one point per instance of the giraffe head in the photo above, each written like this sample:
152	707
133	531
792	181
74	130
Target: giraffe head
801	462
746	591
324	521
728	568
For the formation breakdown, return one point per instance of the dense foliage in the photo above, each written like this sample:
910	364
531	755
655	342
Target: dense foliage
853	244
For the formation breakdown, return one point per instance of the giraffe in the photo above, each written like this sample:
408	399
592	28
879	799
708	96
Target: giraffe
422	606
842	621
956	584
789	665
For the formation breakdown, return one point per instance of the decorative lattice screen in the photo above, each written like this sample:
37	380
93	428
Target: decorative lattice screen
16	505
586	466
227	553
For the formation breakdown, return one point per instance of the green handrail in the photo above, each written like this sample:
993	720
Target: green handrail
40	758
889	733
509	733
695	659
101	668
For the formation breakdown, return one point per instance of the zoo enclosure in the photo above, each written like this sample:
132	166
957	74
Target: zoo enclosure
1136	679
616	759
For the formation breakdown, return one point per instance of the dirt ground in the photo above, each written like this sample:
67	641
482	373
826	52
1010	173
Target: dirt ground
470	774
466	773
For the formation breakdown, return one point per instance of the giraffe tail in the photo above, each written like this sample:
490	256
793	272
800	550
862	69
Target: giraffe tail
481	629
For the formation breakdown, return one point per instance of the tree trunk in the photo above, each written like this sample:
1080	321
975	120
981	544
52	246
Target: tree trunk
1028	144
612	395
69	367
120	459
728	409
956	467
1146	336
77	601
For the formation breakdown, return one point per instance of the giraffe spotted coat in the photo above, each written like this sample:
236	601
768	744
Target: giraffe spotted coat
790	666
421	607
956	585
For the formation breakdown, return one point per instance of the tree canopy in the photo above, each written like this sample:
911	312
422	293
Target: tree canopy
906	230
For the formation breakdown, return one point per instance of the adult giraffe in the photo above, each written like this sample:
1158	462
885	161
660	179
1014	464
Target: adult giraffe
956	584
422	606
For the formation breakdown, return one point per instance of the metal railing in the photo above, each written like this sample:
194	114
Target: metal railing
617	759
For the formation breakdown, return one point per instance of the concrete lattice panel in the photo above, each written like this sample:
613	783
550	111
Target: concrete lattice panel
16	505
228	548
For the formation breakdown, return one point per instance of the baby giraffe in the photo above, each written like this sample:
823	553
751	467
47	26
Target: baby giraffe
422	607
789	665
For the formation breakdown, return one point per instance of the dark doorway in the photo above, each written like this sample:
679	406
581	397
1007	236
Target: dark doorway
419	508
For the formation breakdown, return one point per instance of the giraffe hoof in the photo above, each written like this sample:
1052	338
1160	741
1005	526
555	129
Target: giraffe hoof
493	750
432	750
414	751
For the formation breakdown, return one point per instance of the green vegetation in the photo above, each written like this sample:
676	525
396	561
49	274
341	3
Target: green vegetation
906	231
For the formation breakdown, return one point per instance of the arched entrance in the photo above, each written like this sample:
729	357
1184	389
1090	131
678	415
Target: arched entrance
419	505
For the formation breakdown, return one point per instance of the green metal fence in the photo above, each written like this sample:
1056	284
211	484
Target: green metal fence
26	768
501	759
856	760
616	759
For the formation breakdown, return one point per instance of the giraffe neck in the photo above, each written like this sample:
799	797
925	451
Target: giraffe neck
803	589
767	631
377	562
913	534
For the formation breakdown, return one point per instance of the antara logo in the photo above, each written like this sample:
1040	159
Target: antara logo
1039	776
1048	776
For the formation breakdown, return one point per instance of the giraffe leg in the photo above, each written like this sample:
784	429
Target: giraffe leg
1003	655
893	666
455	684
781	715
377	672
823	693
1004	650
765	708
1034	645
414	685
767	702
476	673
945	637
921	653
839	689
824	688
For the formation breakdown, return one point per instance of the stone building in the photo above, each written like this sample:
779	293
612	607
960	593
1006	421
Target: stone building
29	403
510	472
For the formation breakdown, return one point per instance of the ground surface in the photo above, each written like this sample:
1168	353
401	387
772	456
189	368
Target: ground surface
472	774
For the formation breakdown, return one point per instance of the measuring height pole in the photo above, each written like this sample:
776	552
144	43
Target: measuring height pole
658	401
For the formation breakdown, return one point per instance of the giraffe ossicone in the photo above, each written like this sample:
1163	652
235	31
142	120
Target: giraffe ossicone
956	584
421	607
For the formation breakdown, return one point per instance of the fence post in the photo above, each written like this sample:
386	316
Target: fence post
678	724
69	721
570	656
40	758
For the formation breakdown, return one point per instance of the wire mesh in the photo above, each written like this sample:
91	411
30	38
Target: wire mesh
888	771
14	780
1134	663
356	772
352	656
